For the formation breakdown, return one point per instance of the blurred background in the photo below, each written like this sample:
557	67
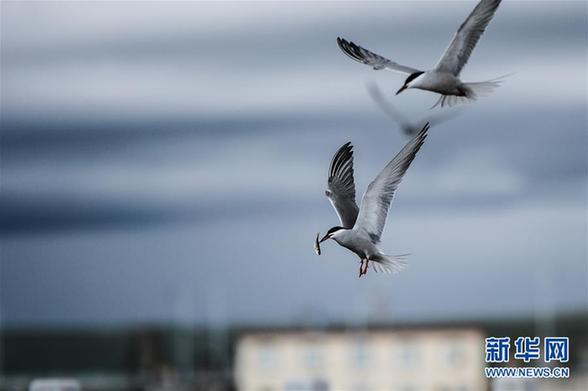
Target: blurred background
163	167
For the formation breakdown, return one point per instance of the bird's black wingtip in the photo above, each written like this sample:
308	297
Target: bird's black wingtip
343	154
345	45
342	43
424	132
352	50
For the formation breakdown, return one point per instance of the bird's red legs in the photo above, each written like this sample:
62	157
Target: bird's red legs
363	268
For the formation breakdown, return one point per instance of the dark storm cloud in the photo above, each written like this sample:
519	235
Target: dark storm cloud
530	156
20	216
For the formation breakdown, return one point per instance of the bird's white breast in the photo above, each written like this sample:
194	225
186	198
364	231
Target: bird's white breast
441	82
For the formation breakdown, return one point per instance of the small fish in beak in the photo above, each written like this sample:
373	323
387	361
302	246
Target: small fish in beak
317	246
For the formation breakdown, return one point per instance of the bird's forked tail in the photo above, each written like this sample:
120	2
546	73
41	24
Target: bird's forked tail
471	92
389	263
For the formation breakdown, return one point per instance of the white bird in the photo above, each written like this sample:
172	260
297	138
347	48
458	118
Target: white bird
444	78
361	229
407	126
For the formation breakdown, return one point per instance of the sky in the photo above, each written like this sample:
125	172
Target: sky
166	162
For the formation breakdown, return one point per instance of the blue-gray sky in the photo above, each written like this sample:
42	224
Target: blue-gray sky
167	161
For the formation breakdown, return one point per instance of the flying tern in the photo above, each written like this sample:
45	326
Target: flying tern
407	126
444	78
361	229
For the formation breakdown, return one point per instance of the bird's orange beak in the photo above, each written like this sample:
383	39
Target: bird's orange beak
324	238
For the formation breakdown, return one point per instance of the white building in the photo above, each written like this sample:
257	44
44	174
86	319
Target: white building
442	359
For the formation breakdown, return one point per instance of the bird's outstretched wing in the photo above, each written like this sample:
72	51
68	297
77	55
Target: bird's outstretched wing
378	196
408	127
459	50
372	59
387	107
341	186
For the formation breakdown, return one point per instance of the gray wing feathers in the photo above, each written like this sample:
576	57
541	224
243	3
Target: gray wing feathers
372	59
379	194
341	186
459	50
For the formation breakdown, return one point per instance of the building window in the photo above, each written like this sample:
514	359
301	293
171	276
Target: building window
360	353
408	354
320	385
307	385
266	355
313	356
297	385
453	354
